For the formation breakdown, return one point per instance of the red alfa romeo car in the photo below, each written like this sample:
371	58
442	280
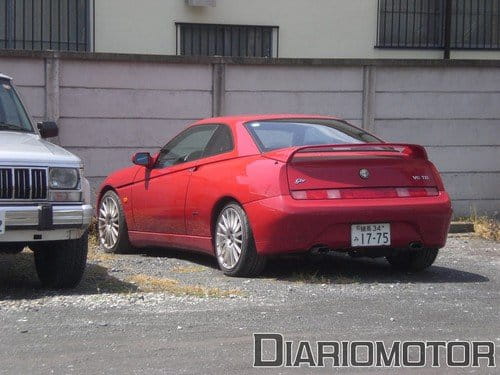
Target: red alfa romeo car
243	188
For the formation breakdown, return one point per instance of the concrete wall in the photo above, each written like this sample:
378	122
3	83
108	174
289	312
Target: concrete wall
109	106
308	28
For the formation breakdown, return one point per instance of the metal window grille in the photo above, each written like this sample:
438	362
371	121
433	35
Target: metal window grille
45	24
474	24
227	40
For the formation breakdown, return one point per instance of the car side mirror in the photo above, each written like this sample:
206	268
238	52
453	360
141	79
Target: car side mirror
143	159
48	129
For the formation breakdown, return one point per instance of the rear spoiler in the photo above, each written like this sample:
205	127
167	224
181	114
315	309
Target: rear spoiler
286	155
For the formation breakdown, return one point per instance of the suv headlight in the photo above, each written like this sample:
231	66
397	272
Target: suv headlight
63	178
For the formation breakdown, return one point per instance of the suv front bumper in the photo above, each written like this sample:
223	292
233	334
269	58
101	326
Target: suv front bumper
44	222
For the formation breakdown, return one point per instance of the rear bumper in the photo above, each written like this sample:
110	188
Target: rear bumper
45	223
284	225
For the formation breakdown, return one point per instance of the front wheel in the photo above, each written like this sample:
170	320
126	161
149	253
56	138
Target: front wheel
113	231
60	264
413	260
234	244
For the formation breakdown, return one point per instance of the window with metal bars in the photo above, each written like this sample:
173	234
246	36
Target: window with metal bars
227	40
45	24
474	24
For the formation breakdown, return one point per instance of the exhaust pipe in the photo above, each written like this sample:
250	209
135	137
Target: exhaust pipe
416	245
317	250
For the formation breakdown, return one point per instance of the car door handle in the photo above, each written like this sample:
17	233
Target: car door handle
193	169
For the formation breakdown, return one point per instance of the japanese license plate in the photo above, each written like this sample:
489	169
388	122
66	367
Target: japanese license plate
2	221
363	235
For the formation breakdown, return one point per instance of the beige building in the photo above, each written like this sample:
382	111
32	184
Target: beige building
301	28
361	29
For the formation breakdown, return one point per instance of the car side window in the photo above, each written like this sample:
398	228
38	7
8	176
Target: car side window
187	146
221	142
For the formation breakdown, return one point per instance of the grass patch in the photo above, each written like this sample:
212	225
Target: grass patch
94	254
316	277
486	227
147	283
188	269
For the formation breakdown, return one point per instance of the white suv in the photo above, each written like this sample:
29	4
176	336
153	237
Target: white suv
44	198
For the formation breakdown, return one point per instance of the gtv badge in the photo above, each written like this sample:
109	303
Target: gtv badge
299	181
364	173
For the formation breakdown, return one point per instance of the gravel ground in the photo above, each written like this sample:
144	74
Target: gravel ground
166	311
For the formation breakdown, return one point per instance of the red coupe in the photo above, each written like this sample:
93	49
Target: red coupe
243	188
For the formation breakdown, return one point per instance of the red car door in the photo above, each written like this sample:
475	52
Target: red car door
204	184
159	194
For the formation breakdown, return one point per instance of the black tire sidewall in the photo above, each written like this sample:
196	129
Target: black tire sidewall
416	260
61	264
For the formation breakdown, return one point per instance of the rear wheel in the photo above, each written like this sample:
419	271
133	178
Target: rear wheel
60	264
113	231
234	244
414	260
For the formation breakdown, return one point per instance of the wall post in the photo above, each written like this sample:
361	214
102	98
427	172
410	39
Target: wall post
52	88
52	95
369	73
218	89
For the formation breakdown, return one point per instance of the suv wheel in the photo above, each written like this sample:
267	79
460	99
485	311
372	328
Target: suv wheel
60	264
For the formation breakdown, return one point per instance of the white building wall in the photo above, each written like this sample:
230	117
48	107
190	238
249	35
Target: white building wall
308	28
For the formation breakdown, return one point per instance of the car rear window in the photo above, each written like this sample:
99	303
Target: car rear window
275	134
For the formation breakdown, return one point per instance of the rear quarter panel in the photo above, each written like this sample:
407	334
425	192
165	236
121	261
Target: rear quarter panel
243	179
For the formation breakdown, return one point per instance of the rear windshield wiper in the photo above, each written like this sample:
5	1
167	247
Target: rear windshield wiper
14	127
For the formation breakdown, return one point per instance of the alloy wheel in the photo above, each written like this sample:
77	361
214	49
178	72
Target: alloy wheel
229	238
109	224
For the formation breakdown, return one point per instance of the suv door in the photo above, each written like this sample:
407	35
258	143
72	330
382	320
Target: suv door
159	194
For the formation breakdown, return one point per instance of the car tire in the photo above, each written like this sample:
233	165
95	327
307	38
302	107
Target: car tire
414	260
111	216
232	232
11	248
61	264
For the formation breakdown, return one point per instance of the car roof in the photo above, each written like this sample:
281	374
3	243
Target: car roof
3	76
260	117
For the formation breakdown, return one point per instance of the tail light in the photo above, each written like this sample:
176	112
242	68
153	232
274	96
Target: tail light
366	193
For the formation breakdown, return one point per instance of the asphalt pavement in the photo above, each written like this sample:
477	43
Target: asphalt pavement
170	312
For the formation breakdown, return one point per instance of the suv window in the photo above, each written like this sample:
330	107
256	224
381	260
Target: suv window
12	114
187	146
221	142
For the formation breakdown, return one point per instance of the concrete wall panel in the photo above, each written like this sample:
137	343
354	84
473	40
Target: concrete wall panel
472	186
89	132
431	105
474	132
282	78
346	105
110	109
109	74
34	99
115	103
25	72
431	79
99	162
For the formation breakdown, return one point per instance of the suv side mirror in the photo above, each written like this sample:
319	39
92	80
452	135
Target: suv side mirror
143	159
48	129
